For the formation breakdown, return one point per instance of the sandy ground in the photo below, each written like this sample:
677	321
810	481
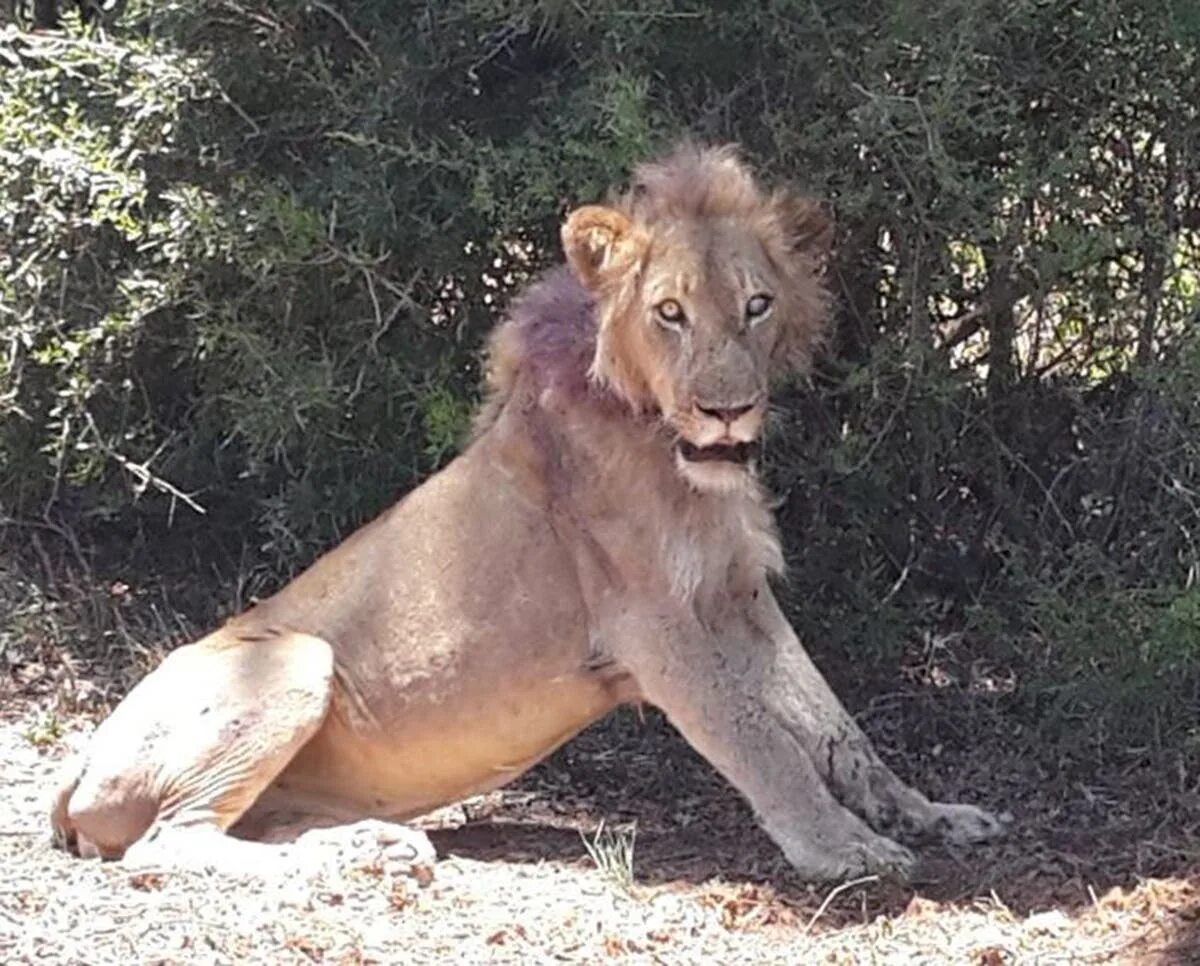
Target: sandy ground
1094	874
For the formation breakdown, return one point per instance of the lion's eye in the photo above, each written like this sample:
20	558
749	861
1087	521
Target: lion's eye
670	313
758	306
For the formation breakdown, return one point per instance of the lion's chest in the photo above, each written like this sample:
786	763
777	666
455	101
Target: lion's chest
708	558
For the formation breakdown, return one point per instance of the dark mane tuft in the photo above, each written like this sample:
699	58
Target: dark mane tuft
556	323
550	335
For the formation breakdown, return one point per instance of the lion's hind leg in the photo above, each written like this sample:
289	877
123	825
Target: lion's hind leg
194	744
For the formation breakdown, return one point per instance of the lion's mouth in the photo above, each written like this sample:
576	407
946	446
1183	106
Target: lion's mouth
718	453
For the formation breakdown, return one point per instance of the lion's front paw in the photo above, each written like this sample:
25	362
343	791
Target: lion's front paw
884	857
876	855
966	824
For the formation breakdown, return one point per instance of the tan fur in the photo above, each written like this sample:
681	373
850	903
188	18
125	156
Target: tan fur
603	539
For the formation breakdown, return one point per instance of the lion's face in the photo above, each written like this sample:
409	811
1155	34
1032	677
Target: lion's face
704	289
705	314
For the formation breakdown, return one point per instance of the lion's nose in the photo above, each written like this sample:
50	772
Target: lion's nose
727	414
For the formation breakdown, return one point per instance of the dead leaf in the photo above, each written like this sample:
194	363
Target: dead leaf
147	881
398	898
921	908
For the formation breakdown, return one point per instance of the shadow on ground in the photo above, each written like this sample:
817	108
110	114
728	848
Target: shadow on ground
1085	833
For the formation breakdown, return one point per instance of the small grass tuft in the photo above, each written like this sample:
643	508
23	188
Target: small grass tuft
45	731
612	852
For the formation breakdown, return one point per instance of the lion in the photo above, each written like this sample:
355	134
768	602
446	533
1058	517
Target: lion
603	539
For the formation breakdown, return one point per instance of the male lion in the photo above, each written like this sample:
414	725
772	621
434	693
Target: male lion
604	539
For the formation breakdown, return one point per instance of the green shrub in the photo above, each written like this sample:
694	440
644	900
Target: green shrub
248	256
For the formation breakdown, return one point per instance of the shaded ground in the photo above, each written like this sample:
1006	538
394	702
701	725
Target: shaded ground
1103	867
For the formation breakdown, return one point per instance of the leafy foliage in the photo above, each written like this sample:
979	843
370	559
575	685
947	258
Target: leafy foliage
248	254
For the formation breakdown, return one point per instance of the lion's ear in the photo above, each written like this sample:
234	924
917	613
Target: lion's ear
807	225
594	238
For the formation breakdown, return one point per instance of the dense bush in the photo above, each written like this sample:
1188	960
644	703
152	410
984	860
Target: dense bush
247	255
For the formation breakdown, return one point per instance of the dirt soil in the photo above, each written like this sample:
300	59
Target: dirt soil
1103	865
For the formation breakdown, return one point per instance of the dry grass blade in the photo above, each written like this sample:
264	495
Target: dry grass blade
833	894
